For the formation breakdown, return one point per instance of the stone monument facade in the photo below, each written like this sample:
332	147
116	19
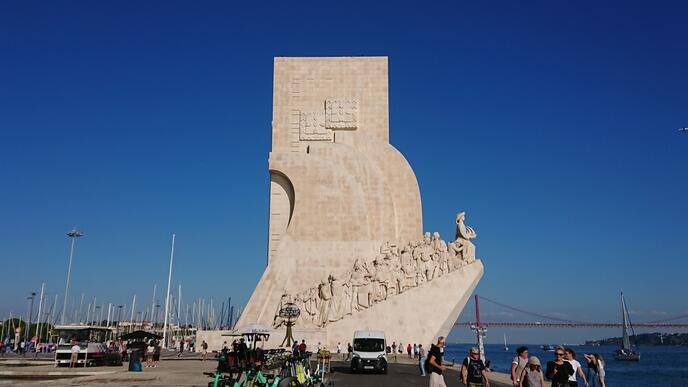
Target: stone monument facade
346	242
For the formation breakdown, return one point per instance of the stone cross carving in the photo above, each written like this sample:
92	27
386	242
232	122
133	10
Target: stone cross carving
339	113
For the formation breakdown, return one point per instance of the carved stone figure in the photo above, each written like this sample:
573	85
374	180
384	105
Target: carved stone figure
381	280
337	291
464	234
392	272
325	294
360	289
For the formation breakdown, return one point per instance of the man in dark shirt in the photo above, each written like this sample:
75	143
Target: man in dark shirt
558	370
435	363
473	371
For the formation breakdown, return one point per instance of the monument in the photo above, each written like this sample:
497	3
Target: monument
345	243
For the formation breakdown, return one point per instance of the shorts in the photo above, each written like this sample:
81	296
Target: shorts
156	357
437	380
74	357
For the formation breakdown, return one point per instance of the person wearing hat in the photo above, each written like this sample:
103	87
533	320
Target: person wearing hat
531	376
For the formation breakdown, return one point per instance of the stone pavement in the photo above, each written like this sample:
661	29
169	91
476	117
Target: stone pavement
190	373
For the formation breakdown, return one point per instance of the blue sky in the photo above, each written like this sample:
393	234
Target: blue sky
553	124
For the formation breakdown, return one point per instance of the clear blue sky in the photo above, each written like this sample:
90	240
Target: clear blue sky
553	124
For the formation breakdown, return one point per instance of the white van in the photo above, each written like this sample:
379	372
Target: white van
369	352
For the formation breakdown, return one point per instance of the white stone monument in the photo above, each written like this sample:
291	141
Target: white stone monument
345	239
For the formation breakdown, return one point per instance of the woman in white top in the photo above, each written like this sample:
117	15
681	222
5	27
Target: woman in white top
149	353
600	369
577	369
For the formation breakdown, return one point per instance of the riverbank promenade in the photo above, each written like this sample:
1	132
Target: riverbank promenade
188	371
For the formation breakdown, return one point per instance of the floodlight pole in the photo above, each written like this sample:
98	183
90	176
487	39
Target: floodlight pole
27	334
167	299
73	234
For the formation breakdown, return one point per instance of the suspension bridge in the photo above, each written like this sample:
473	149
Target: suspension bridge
545	321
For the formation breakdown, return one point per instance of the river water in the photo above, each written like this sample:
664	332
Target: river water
659	366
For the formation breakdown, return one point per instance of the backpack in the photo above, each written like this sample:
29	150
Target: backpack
468	365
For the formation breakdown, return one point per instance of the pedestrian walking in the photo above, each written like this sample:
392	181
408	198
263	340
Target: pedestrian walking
150	349
473	370
339	348
156	354
74	358
559	370
349	351
518	364
434	363
204	351
577	369
415	351
421	359
302	347
181	348
531	375
596	372
409	350
394	347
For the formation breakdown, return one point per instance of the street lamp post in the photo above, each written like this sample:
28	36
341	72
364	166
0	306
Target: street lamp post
27	334
73	234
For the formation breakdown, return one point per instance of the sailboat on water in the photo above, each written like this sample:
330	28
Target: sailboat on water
627	351
506	347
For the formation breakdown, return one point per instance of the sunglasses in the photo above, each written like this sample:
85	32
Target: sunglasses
560	354
474	353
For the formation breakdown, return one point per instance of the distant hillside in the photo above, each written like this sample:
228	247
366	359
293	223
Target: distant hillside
647	339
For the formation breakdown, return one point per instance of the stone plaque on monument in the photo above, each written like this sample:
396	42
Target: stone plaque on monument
346	245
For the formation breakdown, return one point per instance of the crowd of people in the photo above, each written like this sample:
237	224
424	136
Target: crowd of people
563	371
526	371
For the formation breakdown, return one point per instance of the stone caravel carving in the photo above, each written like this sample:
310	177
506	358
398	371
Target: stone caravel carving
345	239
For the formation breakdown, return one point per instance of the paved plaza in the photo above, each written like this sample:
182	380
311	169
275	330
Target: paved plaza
189	372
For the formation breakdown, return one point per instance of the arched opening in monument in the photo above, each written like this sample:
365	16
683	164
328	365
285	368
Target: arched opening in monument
281	209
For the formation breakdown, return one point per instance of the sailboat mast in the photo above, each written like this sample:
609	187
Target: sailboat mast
626	344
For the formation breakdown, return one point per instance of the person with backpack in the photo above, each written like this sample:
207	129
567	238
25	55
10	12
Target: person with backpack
531	375
473	370
434	363
518	364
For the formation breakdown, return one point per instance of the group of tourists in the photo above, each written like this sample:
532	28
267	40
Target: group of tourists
413	351
152	354
563	371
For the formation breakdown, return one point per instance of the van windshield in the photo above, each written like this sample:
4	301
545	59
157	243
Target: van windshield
369	345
